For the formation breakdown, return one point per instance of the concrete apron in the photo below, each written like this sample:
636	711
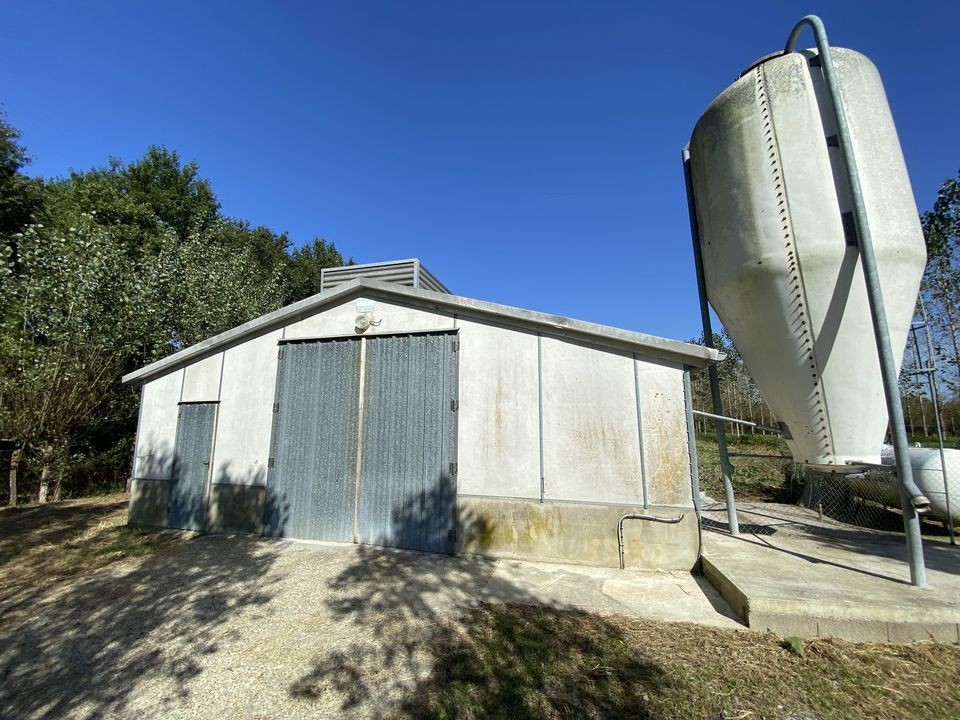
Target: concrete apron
659	595
794	574
664	596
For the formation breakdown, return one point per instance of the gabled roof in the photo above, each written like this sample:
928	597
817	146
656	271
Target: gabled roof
552	325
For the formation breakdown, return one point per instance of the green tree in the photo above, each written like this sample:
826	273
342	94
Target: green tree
110	269
941	281
140	201
61	345
306	264
21	197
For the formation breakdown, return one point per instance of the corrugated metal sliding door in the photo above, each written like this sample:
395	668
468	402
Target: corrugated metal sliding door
191	466
408	455
311	483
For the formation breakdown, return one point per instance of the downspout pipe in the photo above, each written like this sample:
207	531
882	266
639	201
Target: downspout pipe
913	500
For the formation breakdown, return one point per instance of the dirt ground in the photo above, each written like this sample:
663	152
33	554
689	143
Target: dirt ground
117	623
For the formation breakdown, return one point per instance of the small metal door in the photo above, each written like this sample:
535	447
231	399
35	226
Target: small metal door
191	466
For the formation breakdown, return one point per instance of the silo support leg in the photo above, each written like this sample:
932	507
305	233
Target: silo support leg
725	468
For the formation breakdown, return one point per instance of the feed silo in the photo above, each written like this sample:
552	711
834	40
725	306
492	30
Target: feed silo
780	256
808	245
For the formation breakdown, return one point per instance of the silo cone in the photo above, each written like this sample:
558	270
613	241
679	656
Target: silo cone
780	262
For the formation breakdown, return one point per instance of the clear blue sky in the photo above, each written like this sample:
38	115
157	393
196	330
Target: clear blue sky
527	152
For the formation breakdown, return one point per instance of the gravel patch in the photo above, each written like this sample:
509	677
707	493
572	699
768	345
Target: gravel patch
236	627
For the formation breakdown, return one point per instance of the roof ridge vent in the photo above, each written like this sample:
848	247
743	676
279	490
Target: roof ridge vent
409	272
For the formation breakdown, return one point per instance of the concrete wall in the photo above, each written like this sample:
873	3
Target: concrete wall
499	426
590	435
153	454
665	447
591	445
157	429
341	320
201	380
576	533
246	412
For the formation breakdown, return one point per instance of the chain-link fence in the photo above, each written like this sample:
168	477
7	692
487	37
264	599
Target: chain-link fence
872	499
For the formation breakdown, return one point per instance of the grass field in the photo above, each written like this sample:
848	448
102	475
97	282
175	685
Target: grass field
755	479
762	479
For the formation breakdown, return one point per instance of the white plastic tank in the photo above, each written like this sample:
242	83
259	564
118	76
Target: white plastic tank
781	267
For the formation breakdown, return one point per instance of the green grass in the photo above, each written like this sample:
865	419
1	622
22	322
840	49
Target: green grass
532	662
755	479
762	479
949	441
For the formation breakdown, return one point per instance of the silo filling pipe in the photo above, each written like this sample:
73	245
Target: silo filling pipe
913	499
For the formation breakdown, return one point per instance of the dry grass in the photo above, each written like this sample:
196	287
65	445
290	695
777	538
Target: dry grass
42	546
531	662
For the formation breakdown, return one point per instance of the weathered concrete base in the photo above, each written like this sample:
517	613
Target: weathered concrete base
148	503
236	508
797	575
574	533
557	532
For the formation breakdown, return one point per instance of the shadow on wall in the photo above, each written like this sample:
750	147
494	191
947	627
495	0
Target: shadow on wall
238	501
233	502
424	520
85	650
154	458
415	640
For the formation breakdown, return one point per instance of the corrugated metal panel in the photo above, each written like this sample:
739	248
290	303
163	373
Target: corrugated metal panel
401	272
191	466
310	487
408	475
428	281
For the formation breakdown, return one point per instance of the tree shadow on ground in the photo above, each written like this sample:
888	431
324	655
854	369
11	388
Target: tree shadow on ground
86	648
421	644
34	525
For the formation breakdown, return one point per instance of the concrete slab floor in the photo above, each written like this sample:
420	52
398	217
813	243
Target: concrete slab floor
797	574
668	596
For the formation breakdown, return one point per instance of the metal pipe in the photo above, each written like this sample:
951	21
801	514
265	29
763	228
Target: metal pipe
726	469
638	516
912	499
691	439
760	455
935	400
737	421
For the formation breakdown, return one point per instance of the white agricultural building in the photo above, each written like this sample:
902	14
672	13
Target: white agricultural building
385	410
